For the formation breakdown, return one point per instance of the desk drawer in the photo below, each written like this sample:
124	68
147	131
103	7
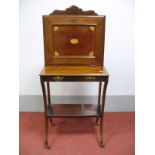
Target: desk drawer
74	78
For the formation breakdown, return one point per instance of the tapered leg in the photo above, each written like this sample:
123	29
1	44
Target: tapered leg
51	120
45	108
102	112
101	132
99	98
48	93
49	100
46	133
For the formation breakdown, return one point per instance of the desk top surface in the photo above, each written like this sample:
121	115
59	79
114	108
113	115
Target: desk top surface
74	71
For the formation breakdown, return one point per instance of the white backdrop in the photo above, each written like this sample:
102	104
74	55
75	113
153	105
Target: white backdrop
119	46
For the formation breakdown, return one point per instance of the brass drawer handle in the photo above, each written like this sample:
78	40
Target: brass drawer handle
90	78
58	78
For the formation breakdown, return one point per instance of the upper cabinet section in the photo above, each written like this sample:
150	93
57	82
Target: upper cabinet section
74	37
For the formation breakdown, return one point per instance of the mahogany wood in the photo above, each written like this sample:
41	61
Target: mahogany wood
74	71
45	108
99	101
102	112
66	46
73	110
74	51
88	31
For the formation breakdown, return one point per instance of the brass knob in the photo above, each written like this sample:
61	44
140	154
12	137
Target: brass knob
58	78
90	78
74	41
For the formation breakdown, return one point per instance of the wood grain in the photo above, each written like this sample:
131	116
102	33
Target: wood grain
74	71
59	29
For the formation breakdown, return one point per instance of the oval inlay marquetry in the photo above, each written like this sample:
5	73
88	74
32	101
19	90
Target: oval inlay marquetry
74	41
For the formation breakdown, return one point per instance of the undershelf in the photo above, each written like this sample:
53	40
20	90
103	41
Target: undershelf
72	110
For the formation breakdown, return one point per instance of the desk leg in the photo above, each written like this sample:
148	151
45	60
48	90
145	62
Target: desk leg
46	117
102	112
99	99
49	100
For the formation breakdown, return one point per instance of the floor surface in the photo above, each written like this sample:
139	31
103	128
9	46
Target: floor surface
77	136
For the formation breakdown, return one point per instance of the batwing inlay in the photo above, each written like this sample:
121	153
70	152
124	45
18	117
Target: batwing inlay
56	53
91	53
56	28
92	28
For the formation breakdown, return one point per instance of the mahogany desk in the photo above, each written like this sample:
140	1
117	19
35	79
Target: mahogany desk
69	59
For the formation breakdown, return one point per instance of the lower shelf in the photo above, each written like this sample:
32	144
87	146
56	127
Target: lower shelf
72	110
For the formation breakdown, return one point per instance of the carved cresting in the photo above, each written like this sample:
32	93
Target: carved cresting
73	10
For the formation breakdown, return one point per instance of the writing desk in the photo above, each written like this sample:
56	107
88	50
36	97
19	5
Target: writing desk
74	52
